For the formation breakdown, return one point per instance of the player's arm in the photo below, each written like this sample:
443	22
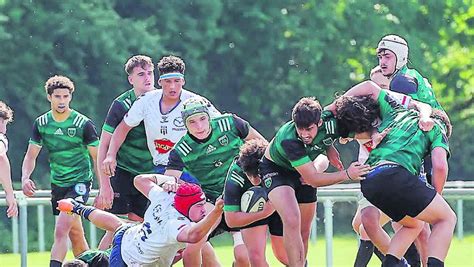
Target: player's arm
91	140
245	131
175	165
425	122
110	162
334	158
235	219
146	182
29	163
196	232
6	181
363	88
440	168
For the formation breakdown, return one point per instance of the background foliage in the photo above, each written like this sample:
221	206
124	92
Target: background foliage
253	58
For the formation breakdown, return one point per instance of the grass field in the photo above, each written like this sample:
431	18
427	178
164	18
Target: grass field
460	254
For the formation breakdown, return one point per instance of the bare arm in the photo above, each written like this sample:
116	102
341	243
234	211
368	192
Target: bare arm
145	182
175	173
440	168
236	219
6	181
310	176
425	122
93	154
110	162
105	197
196	232
253	134
29	163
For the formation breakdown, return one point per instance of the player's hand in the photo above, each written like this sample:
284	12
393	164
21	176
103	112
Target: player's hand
12	210
426	124
219	206
28	187
170	186
108	166
105	198
268	209
334	159
378	137
357	171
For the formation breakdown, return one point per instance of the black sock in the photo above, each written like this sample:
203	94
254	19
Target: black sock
366	249
390	261
412	256
55	263
434	262
82	210
379	254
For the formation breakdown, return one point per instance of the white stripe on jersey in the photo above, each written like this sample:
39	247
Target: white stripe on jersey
237	178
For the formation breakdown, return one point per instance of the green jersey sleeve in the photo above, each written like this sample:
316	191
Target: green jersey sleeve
438	138
236	184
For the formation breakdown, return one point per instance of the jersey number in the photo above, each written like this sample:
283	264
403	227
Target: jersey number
145	231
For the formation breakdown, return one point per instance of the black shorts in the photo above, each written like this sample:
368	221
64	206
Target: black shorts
221	228
79	192
275	176
274	222
397	192
126	197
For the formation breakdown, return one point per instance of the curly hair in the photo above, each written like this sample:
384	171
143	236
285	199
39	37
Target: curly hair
138	61
6	113
306	112
171	64
58	82
357	113
250	154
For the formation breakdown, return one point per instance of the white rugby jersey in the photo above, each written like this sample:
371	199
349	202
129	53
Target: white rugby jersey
155	240
163	131
4	140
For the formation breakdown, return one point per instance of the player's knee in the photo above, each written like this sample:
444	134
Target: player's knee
370	218
291	221
62	231
256	257
241	257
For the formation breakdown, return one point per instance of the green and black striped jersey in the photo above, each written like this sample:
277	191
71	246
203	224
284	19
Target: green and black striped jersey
133	155
208	160
236	183
405	144
67	143
288	150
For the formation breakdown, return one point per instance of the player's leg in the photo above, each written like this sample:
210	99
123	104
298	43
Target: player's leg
61	232
255	239
443	220
370	217
405	236
275	226
306	197
241	256
77	237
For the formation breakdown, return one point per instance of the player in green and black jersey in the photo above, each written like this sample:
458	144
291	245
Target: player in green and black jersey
117	193
71	140
290	176
395	174
91	258
242	175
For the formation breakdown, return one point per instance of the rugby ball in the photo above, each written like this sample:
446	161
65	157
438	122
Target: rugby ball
253	199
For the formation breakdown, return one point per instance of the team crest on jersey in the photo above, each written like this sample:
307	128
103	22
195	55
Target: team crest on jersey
218	163
268	182
223	140
71	132
163	130
210	149
81	189
163	146
178	122
328	141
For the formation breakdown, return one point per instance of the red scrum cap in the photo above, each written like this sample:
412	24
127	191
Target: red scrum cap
186	196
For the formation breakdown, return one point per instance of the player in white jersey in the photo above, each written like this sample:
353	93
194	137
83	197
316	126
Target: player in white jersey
171	221
160	110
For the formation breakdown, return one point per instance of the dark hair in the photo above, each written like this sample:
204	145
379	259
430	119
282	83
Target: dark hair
74	263
6	113
58	82
306	112
138	61
250	154
171	64
357	113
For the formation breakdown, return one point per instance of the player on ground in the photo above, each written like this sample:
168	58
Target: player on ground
397	173
170	221
6	116
71	140
289	158
242	175
117	193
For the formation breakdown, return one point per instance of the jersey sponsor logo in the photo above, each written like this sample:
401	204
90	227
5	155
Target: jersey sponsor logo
163	146
223	140
268	180
164	130
328	141
314	147
80	189
59	132
71	132
164	119
218	163
210	149
178	122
